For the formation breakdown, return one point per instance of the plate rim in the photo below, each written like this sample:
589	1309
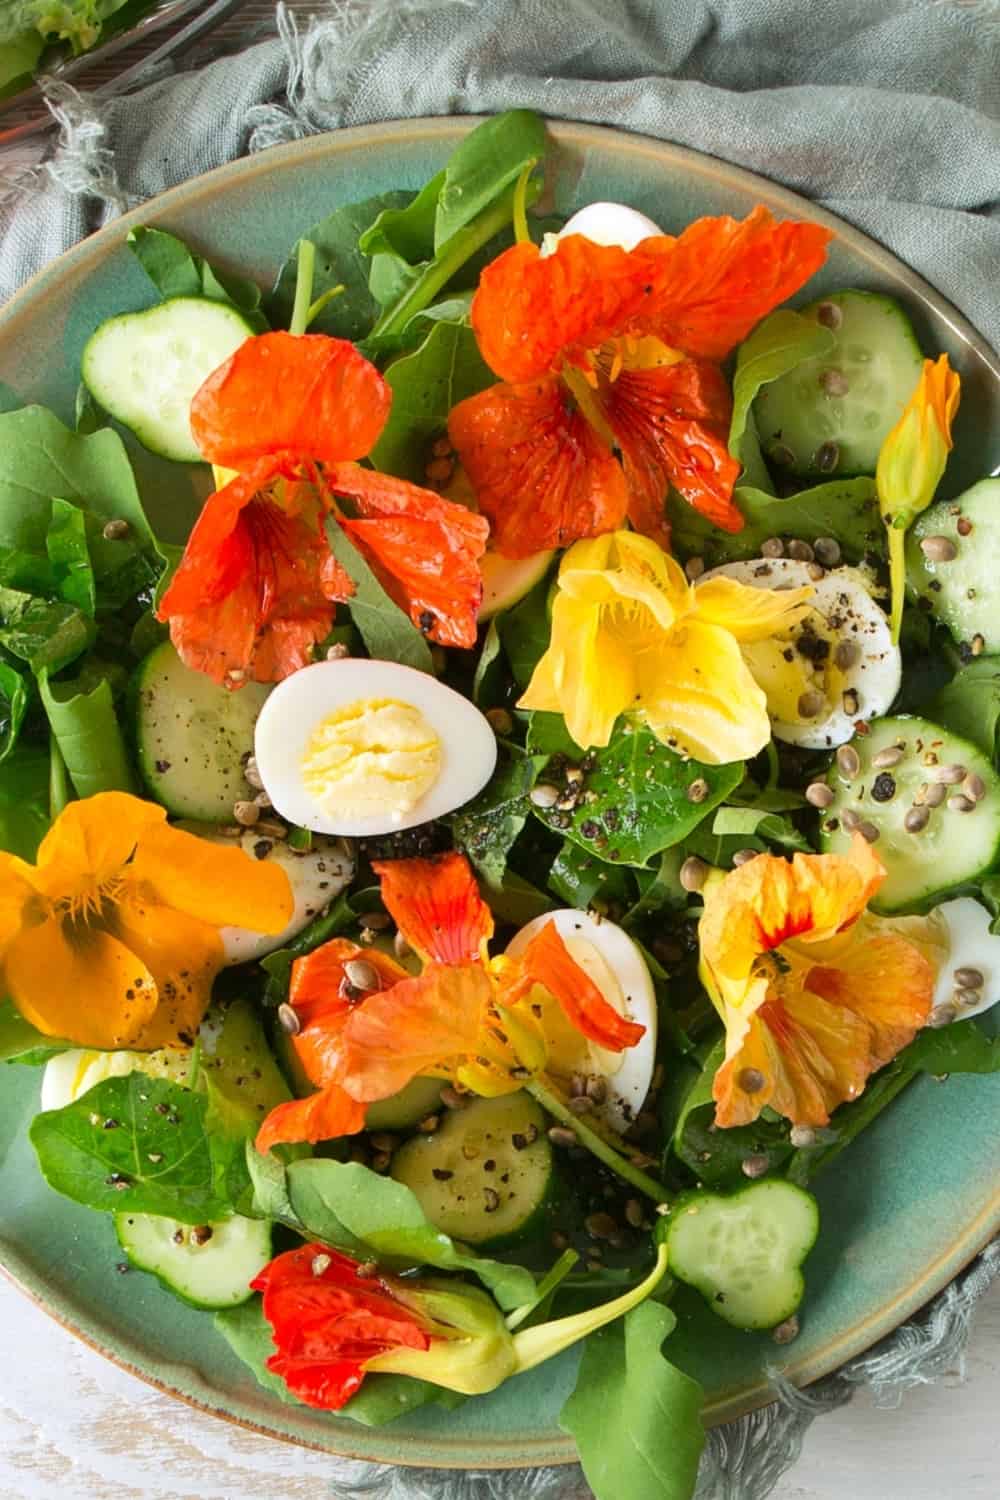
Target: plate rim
76	263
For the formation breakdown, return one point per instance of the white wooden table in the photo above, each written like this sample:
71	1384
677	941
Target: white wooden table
73	1427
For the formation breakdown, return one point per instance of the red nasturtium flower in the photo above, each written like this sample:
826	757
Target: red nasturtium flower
602	349
257	586
333	1324
479	1021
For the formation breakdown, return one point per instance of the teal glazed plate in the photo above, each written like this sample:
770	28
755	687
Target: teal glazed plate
903	1210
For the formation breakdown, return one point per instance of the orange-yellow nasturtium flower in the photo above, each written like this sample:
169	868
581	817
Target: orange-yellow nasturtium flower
911	463
815	993
631	635
112	938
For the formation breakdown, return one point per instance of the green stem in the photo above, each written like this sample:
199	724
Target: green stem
59	788
315	308
304	273
460	248
521	231
546	1287
897	578
596	1145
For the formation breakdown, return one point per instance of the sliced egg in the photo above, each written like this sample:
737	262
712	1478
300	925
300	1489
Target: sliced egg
610	958
611	224
369	747
835	666
70	1074
969	980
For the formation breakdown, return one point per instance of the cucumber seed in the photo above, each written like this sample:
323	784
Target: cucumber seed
950	775
288	1020
694	567
834	382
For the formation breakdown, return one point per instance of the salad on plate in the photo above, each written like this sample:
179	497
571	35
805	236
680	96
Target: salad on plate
540	818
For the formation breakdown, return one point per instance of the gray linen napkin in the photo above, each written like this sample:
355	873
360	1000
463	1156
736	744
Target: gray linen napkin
885	111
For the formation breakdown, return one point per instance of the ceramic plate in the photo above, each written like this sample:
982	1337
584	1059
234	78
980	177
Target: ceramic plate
903	1211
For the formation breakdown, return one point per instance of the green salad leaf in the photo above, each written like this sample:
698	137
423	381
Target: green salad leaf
486	828
846	509
581	879
401	243
19	54
634	801
969	705
14	695
47	635
340	261
487	684
962	1047
89	735
176	271
380	1399
445	369
69	554
525	630
388	633
330	1197
24	800
716	1157
635	1417
487	161
139	1144
23	1043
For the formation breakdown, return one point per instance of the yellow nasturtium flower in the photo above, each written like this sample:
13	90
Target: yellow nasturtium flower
631	635
911	463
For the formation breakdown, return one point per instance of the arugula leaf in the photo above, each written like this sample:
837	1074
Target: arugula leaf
401	243
388	633
69	554
525	630
176	271
89	736
636	1417
445	369
488	160
24	800
380	1399
485	829
843	508
970	705
13	707
340	261
156	1158
330	1196
48	636
635	802
777	345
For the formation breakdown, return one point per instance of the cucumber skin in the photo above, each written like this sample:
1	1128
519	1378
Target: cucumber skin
202	1304
945	585
930	897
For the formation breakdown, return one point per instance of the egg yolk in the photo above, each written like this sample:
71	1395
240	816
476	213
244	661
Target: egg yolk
375	755
793	668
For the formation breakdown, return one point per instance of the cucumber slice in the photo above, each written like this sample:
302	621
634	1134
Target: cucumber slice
144	368
744	1252
831	414
486	1176
952	847
192	736
421	1097
506	580
961	587
211	1265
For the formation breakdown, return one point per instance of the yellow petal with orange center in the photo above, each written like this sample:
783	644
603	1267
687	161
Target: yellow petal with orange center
93	991
696	689
220	886
749	614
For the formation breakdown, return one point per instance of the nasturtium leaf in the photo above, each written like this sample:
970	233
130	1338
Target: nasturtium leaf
486	828
970	704
846	509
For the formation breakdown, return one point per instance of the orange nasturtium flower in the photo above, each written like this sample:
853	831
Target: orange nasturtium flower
258	585
631	635
911	462
605	351
815	993
112	938
466	1017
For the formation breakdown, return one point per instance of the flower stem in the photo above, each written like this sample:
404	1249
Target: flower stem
304	273
59	791
460	248
596	1145
315	308
897	578
521	231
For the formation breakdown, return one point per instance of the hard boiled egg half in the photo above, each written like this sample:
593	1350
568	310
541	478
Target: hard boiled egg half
370	747
611	224
609	957
833	667
968	980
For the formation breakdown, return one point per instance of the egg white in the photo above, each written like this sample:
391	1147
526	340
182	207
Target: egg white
841	593
971	946
611	224
299	704
628	1074
317	877
70	1074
